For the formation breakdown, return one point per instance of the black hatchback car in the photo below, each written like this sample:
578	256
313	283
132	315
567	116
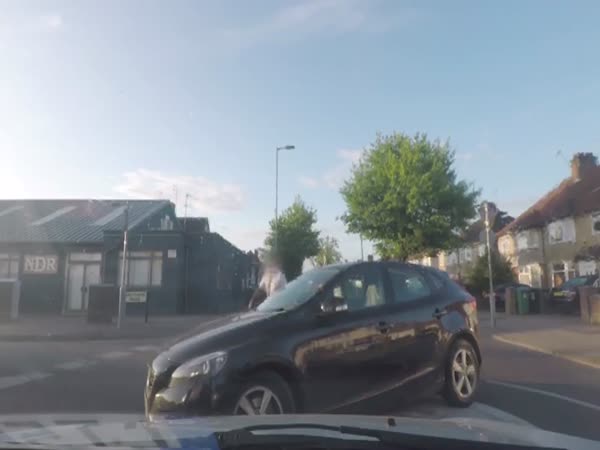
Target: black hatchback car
334	337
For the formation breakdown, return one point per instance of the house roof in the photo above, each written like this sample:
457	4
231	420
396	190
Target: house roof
572	197
70	220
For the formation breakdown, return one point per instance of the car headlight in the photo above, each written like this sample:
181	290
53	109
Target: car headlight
206	365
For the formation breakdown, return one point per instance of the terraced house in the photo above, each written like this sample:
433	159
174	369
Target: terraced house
558	237
460	261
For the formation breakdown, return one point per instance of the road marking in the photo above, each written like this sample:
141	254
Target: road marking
74	365
482	411
546	393
114	355
534	348
17	380
146	348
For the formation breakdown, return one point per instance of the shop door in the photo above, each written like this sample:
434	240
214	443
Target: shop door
81	276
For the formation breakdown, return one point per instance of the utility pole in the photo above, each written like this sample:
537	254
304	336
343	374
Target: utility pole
489	252
123	286
185	208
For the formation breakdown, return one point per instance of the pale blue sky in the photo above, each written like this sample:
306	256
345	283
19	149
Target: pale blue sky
117	98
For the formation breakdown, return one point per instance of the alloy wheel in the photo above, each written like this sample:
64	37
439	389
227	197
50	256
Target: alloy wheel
464	373
258	400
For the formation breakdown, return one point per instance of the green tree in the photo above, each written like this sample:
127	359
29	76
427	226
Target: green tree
404	196
329	252
293	238
478	277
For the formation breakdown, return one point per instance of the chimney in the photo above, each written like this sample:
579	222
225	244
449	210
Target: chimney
581	164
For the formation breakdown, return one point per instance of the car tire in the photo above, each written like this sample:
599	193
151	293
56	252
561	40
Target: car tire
263	393
461	374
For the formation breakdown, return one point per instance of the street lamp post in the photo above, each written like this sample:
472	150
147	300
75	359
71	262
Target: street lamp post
277	150
123	287
489	254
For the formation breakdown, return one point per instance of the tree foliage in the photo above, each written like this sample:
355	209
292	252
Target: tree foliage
478	277
329	252
404	196
293	238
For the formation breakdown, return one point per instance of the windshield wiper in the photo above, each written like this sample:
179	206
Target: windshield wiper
242	437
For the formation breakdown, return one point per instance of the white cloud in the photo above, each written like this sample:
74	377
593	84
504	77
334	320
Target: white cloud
27	25
311	17
464	156
335	176
205	196
51	21
309	182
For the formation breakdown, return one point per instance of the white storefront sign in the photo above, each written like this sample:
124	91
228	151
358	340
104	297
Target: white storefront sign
40	264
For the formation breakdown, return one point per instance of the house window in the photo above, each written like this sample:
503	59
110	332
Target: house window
452	258
561	272
561	231
9	265
481	250
586	268
467	254
144	268
596	223
505	247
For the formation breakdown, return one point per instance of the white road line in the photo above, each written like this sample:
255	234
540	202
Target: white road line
74	365
575	359
114	355
547	394
17	380
146	348
482	410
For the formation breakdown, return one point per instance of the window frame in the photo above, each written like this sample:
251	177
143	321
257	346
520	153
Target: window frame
426	277
595	218
11	258
362	312
153	257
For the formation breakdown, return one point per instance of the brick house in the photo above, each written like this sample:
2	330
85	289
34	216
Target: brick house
558	237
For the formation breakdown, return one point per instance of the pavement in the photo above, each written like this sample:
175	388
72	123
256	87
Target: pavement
566	337
76	328
107	377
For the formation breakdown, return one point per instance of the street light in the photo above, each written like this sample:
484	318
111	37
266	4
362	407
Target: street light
122	287
489	255
277	150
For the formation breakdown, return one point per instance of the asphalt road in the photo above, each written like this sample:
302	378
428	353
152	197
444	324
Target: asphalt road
108	377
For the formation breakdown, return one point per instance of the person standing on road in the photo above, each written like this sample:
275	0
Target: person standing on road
273	280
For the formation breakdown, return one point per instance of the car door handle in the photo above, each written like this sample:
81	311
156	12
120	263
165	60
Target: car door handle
438	313
383	327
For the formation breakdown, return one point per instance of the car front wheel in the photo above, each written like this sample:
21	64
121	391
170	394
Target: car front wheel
264	393
462	374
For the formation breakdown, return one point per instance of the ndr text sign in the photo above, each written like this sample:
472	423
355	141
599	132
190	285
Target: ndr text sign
40	264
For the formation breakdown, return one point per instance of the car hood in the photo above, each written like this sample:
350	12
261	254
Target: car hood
211	333
125	431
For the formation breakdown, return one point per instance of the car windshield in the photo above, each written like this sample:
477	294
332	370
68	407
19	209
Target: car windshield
299	291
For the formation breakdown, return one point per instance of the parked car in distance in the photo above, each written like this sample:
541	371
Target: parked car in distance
334	337
565	298
500	293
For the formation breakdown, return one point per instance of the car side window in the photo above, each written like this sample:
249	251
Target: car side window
359	288
408	284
